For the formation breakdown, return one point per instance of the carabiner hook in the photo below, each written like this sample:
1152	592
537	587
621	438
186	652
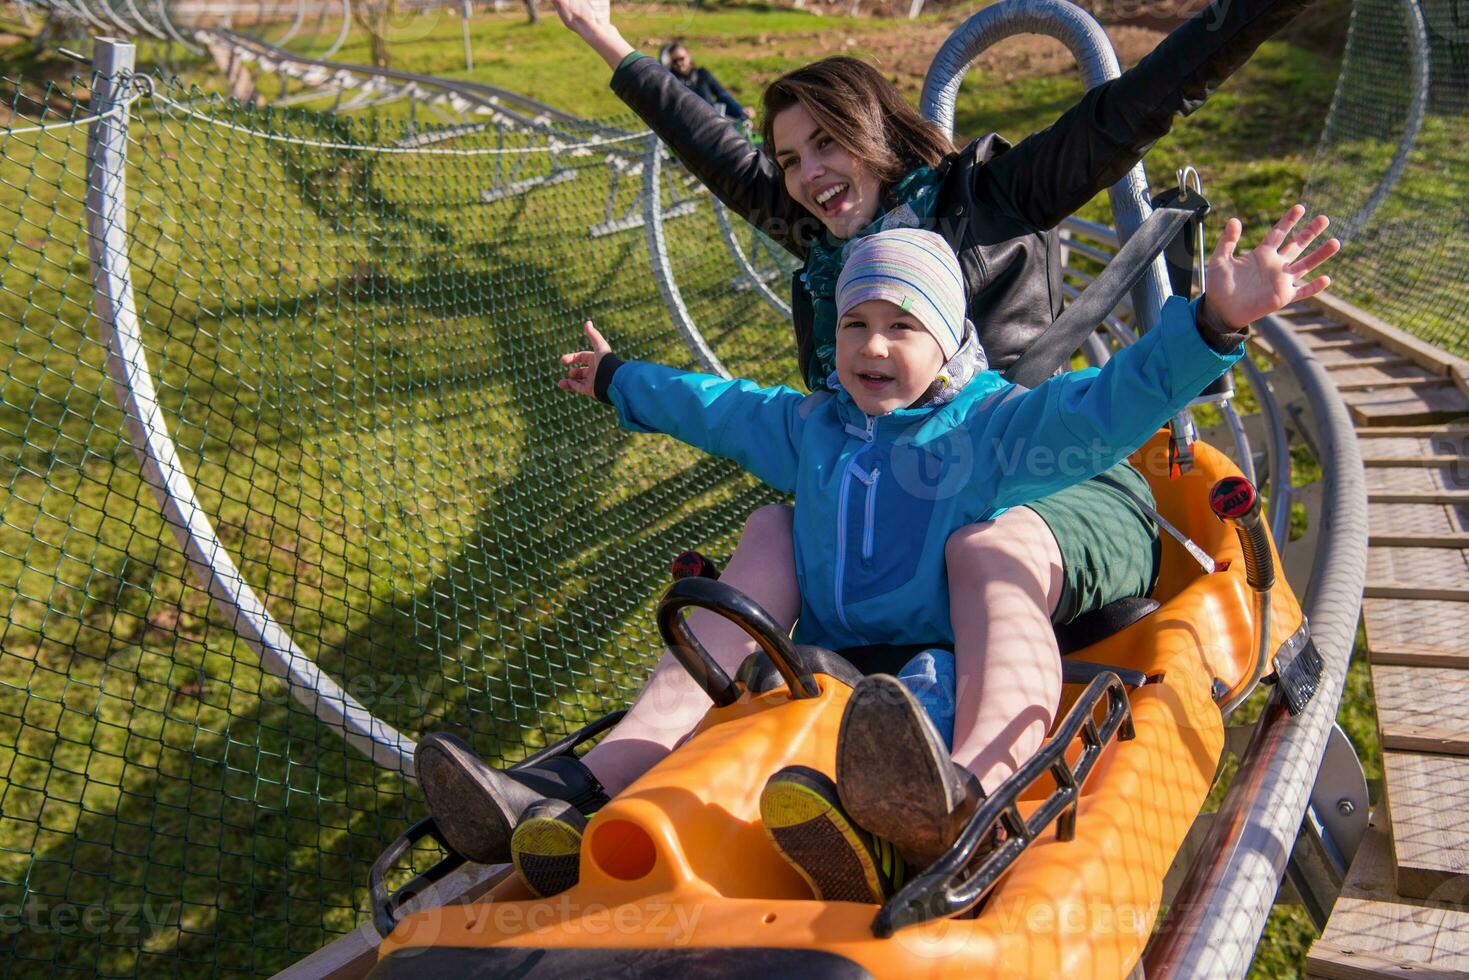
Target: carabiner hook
1189	180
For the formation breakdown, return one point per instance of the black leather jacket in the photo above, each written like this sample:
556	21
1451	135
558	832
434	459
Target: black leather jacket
999	205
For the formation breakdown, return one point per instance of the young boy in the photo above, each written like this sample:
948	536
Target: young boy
915	440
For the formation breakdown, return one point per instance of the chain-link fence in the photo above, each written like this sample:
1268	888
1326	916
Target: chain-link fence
1393	166
351	331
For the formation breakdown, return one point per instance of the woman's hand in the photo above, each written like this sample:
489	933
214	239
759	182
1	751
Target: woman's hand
590	20
581	366
1242	288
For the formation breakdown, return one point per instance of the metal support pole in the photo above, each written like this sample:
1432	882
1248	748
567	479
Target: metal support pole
468	53
1089	45
147	429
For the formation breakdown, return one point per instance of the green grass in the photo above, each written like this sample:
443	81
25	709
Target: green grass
321	330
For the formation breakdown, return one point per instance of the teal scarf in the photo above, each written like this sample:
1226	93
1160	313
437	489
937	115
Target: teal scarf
915	199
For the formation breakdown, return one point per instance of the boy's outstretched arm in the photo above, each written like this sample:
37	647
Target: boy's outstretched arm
759	428
1077	424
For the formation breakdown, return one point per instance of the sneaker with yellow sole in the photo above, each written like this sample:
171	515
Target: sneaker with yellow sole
546	846
842	862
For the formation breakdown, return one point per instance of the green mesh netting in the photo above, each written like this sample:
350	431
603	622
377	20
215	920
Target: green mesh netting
355	351
1393	166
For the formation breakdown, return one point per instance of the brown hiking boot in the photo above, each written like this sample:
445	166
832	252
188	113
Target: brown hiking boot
474	804
894	774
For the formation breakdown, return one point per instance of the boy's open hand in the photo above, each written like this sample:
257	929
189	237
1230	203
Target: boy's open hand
581	366
1242	288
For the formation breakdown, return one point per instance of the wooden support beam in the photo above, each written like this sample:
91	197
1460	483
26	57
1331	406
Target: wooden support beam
1457	497
1408	590
1375	385
1452	540
1388	360
1420	352
1414	656
1428	796
1414	462
1373	933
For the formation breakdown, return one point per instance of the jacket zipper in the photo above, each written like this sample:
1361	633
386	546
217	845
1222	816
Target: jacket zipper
868	521
842	499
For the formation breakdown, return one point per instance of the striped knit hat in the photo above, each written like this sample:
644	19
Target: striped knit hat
914	270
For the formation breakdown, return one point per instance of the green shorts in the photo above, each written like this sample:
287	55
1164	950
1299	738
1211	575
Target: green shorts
1109	547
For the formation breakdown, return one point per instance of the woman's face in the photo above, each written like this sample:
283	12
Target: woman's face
821	176
681	61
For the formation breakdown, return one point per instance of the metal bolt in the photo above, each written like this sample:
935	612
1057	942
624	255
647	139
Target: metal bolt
1345	807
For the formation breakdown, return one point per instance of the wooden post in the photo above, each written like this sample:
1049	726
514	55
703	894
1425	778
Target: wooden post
464	20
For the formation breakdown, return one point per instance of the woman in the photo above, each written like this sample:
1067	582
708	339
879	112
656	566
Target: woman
846	156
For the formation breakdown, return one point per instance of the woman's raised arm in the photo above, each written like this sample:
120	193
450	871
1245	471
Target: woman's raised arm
1052	173
708	145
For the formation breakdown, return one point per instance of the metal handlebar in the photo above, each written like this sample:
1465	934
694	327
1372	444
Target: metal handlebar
744	612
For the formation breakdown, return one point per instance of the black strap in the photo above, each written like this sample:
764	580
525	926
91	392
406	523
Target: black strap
1054	347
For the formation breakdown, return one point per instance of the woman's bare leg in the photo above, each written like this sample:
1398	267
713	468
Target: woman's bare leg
763	567
1004	583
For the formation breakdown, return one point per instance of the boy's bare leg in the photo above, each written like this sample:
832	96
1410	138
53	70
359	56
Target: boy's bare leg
763	567
1004	583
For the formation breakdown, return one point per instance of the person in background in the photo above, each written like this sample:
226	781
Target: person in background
676	58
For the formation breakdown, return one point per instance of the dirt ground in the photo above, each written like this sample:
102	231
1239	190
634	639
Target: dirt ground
904	53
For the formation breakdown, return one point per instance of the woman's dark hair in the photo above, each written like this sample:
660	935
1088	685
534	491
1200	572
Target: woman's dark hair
862	111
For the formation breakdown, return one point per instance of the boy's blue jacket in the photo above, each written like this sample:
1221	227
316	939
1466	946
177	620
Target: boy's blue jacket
877	497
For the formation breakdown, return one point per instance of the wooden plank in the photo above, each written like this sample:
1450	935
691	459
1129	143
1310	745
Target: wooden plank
1306	325
1459	498
1450	429
1428	798
1423	479
1392	374
1368	355
1339	962
1327	334
1449	539
1413	462
1348	363
1421	709
1407	406
1347	343
1399	590
1416	624
1435	393
1417	573
1410	656
1434	521
1349	387
1439	362
1374	933
1401	447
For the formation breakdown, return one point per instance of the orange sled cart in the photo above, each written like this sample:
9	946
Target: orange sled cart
679	879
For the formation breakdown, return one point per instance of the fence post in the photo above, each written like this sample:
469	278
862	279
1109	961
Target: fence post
464	19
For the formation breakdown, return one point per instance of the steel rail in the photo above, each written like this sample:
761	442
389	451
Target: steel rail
147	429
1216	918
